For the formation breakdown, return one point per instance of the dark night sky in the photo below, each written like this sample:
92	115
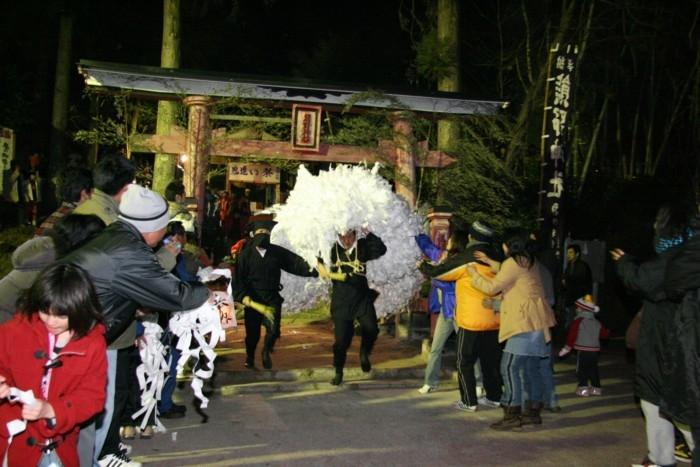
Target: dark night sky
351	42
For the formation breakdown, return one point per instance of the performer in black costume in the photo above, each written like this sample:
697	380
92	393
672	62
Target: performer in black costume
257	286
351	297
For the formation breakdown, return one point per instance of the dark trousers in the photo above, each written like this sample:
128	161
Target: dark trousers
587	368
483	346
344	330
122	383
253	323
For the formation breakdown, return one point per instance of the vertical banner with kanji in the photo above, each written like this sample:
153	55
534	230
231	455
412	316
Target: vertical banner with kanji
7	153
555	148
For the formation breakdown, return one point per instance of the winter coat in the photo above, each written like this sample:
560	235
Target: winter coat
127	275
656	330
352	297
586	332
524	307
27	262
258	277
682	284
470	311
76	389
578	281
442	293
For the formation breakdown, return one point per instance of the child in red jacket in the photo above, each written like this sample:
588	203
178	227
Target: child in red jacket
53	369
584	336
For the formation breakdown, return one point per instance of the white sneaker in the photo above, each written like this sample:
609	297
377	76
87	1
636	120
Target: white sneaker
426	388
117	460
124	448
485	401
466	408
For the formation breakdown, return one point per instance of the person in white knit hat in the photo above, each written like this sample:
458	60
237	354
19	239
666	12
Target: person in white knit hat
127	276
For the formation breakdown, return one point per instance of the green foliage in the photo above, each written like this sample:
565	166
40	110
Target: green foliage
479	186
364	130
435	59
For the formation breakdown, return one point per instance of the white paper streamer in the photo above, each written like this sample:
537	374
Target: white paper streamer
151	373
192	328
335	201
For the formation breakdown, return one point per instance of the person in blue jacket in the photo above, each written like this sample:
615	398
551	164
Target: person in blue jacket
441	300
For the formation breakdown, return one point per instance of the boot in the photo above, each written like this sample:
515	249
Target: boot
249	363
365	364
531	416
266	360
338	378
511	420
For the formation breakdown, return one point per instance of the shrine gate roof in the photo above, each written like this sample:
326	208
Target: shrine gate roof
177	83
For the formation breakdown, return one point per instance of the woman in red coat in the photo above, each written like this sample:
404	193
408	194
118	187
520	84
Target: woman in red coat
55	348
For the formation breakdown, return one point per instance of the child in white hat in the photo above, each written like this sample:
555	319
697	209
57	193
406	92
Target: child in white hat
584	336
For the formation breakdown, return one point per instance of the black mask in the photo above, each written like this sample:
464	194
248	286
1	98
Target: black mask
261	241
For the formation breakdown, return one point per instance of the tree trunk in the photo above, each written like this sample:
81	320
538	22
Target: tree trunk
534	92
61	91
448	33
165	164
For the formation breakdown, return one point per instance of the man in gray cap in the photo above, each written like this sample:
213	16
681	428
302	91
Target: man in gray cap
126	274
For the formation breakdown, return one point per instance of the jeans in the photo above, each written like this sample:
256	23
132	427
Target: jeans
166	394
103	425
549	389
521	379
443	330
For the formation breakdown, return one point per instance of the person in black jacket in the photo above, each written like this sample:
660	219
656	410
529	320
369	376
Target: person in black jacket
257	285
127	275
351	297
656	327
682	285
577	282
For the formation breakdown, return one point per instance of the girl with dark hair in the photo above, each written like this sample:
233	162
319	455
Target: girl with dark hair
54	350
526	318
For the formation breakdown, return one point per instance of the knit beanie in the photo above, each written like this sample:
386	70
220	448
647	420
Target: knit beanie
481	231
585	303
144	209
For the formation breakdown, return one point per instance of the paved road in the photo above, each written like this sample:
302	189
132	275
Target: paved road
391	424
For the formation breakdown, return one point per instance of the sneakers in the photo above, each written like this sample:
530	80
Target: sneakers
124	448
485	401
646	462
117	460
683	453
426	388
583	391
594	391
170	414
466	408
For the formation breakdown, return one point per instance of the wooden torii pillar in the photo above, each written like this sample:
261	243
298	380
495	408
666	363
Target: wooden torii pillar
405	168
198	145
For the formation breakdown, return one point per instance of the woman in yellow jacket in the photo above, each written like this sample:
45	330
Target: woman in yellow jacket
526	318
477	326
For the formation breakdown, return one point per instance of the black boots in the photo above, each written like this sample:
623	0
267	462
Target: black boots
249	363
511	420
364	361
531	416
266	360
338	378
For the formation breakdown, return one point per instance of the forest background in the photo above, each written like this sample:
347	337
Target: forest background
635	132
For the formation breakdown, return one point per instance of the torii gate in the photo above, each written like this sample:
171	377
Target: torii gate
199	90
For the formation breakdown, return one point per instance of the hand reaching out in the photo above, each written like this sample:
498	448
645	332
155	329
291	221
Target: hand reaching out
616	254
